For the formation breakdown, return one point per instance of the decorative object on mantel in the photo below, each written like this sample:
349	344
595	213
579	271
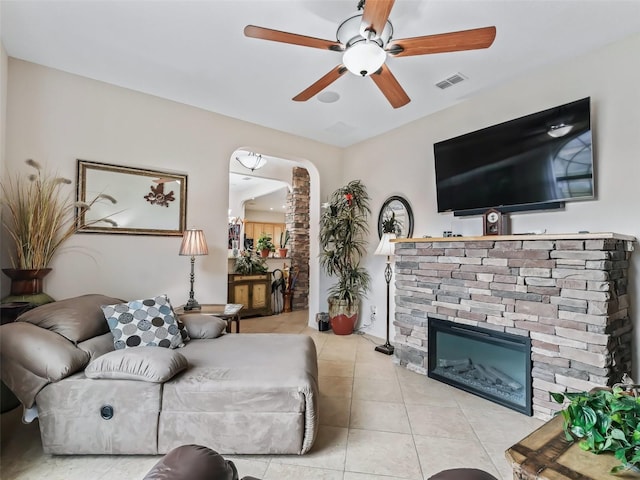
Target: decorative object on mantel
493	223
386	248
193	243
343	229
40	220
605	420
396	211
284	239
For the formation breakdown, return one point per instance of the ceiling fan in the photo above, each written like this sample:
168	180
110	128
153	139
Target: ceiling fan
366	39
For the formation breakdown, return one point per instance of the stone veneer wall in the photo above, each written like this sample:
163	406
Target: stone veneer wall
568	295
297	222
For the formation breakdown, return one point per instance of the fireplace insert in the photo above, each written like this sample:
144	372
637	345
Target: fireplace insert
493	365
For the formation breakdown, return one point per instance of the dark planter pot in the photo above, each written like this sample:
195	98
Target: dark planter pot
264	253
342	317
26	286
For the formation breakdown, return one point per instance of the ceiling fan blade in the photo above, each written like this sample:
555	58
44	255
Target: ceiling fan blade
292	38
390	87
321	84
375	15
443	42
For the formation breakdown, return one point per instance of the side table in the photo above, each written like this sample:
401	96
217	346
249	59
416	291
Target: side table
546	455
229	312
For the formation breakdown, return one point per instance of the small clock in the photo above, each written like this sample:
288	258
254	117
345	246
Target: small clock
493	223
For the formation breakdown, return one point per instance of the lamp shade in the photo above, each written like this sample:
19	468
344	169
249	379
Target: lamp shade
385	247
364	58
194	243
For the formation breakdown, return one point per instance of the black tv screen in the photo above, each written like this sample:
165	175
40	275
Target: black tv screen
526	163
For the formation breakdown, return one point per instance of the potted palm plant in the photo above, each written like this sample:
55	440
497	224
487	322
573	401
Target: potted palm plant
343	232
39	219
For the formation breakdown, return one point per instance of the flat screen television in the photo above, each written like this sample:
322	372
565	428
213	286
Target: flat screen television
538	161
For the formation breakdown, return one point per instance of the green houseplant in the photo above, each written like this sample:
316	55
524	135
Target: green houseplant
265	245
604	420
39	219
247	263
284	240
343	231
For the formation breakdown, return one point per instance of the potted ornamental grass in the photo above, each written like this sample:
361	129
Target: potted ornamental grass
40	216
343	243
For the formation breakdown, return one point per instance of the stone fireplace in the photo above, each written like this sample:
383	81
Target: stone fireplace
567	293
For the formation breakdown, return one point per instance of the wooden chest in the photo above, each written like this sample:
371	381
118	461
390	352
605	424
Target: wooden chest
547	455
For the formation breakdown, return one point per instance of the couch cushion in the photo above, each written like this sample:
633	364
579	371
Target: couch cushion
192	462
203	326
32	357
147	364
150	322
246	388
77	318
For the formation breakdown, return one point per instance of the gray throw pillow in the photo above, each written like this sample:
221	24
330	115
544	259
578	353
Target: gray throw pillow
146	364
203	326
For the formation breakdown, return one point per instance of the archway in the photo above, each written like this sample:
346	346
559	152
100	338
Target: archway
303	194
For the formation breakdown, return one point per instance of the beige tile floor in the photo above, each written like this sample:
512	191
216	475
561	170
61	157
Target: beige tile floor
378	421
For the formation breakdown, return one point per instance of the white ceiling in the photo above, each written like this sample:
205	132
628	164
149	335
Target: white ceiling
195	52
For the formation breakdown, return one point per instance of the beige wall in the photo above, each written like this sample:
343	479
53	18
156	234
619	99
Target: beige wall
401	162
55	118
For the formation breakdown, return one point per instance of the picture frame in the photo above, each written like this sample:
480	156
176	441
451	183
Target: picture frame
147	202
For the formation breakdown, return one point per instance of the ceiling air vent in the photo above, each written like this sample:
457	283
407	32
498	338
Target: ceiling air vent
451	81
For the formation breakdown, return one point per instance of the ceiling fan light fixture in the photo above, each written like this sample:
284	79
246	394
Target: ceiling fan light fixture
252	161
364	58
560	130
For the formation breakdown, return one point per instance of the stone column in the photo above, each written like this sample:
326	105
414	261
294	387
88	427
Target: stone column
297	222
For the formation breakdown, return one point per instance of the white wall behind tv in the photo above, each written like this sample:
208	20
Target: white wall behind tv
401	162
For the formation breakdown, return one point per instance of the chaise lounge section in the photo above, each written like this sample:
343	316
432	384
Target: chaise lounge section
235	394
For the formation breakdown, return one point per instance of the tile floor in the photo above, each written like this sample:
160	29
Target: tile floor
378	421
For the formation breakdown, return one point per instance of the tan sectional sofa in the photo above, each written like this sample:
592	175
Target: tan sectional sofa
236	394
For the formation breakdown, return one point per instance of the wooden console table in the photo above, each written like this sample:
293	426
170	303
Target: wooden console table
547	455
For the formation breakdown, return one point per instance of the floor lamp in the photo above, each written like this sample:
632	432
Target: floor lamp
386	248
193	243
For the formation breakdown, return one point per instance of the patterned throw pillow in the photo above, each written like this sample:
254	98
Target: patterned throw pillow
149	322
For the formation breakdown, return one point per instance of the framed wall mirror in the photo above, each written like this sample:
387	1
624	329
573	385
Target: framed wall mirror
399	207
148	202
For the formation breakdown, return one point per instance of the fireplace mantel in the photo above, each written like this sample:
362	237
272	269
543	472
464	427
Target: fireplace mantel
523	236
567	292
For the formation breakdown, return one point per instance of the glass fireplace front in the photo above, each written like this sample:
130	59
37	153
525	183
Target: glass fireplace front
493	365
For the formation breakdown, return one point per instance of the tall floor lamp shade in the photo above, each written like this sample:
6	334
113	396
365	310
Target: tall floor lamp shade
193	243
386	248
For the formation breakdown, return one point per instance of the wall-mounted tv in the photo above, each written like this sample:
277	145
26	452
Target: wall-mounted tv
534	162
